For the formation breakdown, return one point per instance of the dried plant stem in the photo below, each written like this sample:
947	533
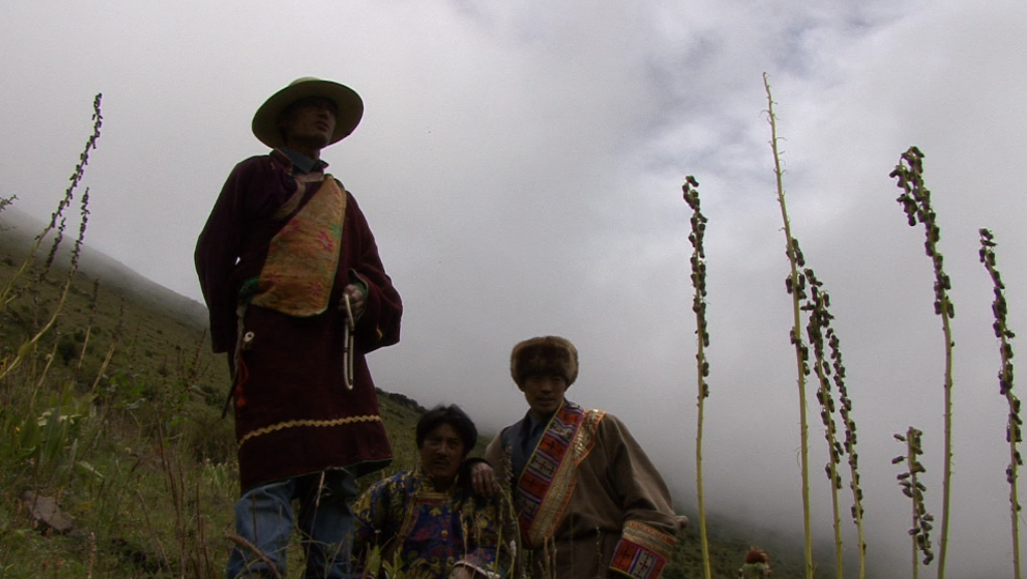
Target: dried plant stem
914	489
1005	380
76	177
115	340
103	365
698	222
94	302
831	371
46	367
257	552
29	346
176	482
6	365
916	202
92	555
794	286
819	321
160	544
849	446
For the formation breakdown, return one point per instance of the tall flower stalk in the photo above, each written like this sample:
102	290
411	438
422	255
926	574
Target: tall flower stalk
816	329
845	411
911	486
916	201
6	293
794	285
698	262
1005	380
830	372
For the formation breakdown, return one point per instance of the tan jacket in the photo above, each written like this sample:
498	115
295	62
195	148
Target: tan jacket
615	504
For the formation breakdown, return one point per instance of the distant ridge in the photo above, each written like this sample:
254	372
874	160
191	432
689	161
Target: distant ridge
18	231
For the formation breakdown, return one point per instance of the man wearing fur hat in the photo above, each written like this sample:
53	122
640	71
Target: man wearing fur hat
297	296
589	502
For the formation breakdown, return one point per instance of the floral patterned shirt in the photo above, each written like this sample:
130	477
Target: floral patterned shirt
425	533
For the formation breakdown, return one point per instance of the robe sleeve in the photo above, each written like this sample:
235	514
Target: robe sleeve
647	537
379	325
496	457
217	249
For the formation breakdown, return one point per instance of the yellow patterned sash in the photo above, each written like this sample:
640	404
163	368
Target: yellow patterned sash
303	257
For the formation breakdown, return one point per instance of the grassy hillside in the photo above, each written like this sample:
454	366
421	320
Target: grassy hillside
114	413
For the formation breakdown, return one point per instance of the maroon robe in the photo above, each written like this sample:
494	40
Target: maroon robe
293	412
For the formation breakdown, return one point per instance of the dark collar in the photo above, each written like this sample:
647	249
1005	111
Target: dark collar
298	162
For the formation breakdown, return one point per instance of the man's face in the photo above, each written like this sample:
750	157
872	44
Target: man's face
310	120
544	394
441	454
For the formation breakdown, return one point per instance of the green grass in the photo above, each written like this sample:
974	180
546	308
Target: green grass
143	459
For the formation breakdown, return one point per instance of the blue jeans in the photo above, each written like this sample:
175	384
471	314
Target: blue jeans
264	517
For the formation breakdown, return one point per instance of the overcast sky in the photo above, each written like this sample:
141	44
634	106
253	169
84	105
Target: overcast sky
521	164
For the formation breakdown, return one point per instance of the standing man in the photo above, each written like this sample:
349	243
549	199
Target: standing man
589	503
297	296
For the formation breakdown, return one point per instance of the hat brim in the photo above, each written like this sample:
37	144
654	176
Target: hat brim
350	109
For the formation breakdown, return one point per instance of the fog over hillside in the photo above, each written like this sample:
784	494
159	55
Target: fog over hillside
20	231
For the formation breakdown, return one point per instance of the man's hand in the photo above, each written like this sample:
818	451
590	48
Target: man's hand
357	301
461	572
483	479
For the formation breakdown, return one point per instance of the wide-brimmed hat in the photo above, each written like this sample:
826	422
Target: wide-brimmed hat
544	356
347	101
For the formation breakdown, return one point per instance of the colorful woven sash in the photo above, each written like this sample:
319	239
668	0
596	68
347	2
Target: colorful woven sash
547	483
303	256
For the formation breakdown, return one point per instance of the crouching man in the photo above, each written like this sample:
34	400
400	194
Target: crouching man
429	520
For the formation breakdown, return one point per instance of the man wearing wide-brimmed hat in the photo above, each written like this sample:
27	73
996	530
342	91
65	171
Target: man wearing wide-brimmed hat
297	296
588	501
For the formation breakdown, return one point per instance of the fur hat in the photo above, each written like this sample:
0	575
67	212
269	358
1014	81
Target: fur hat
350	108
547	355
